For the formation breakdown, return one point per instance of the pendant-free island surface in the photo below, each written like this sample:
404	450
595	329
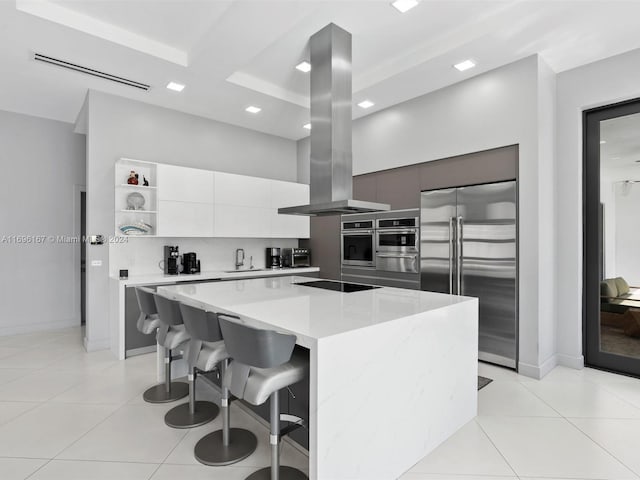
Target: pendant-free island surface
393	372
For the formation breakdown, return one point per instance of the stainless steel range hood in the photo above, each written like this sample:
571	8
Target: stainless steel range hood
331	173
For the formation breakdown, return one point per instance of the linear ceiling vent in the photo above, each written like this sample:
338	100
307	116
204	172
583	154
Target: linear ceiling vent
90	71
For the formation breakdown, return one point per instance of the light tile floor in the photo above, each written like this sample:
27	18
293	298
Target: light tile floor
66	414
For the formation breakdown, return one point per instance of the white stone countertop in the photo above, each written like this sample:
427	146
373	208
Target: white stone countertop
161	278
309	313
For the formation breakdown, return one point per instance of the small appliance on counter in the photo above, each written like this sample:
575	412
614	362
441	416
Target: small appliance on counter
190	263
171	260
273	259
296	257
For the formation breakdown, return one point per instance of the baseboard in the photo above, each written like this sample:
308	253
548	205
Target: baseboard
538	371
93	346
38	327
576	362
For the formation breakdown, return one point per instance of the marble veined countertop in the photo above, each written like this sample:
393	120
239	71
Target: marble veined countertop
309	313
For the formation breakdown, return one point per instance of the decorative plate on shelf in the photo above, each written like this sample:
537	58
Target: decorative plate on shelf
137	228
135	201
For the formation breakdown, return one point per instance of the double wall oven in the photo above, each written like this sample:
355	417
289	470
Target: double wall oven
358	243
397	245
382	248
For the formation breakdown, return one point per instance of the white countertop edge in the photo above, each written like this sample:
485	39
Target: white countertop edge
212	275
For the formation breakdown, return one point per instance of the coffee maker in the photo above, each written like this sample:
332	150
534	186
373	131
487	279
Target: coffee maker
273	258
190	264
171	260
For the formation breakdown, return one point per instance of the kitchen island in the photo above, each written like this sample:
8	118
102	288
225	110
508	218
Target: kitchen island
121	309
393	372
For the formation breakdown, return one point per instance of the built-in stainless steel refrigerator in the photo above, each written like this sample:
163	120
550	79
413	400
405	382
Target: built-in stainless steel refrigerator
468	240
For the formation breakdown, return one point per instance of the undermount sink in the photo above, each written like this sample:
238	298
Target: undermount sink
246	270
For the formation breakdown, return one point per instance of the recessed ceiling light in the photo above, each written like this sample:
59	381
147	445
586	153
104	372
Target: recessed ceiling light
602	142
466	65
304	67
176	87
404	5
252	109
366	104
307	126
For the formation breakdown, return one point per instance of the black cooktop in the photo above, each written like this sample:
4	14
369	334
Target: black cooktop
337	286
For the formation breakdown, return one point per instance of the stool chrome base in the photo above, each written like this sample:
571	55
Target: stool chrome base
181	416
286	473
210	449
158	393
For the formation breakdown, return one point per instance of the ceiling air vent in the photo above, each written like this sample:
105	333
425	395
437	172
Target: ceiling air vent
90	71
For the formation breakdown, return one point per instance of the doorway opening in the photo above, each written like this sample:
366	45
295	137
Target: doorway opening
611	286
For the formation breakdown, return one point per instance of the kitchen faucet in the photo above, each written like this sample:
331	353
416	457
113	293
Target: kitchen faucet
239	258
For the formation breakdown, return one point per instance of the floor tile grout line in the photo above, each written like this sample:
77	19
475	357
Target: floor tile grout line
33	407
568	419
38	469
543	400
87	432
496	447
593	383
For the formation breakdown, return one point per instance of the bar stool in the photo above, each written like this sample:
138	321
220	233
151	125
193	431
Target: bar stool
171	335
228	445
206	351
264	362
148	321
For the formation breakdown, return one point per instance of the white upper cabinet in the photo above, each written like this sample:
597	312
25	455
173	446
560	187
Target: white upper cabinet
185	219
241	190
202	203
288	194
242	222
183	184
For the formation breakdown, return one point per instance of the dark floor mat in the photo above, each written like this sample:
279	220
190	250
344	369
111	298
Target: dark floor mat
483	382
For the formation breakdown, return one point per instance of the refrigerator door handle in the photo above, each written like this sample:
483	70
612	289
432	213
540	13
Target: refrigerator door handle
451	254
459	234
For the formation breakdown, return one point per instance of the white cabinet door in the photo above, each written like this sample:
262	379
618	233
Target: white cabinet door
241	221
241	190
289	226
185	219
289	194
183	184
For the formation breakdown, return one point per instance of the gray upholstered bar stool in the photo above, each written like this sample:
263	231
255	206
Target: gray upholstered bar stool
264	362
171	335
227	445
148	321
206	351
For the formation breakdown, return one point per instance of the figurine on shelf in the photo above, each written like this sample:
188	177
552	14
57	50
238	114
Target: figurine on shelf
145	182
133	178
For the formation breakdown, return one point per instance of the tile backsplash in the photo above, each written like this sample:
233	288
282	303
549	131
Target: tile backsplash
143	255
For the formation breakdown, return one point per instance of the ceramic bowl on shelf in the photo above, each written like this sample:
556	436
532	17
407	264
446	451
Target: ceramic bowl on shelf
135	201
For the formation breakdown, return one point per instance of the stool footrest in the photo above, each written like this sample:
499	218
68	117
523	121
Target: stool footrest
294	424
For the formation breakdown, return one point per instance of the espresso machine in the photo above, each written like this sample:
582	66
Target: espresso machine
171	260
273	260
190	264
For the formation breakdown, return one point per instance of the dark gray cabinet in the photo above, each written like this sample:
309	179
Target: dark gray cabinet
399	187
364	187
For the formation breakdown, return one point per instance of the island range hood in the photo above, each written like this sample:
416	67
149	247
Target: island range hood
331	188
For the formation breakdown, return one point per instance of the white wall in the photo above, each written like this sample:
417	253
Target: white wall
607	81
141	256
510	105
119	127
43	160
